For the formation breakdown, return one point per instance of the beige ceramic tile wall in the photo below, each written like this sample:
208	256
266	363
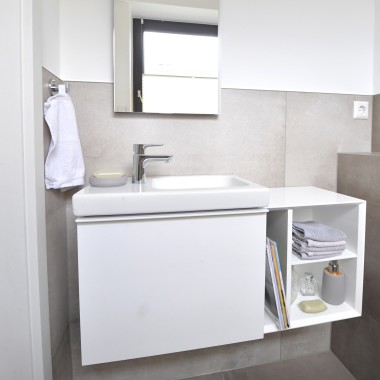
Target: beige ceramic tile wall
317	127
269	137
247	139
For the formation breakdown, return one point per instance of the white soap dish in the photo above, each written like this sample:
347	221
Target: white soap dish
108	178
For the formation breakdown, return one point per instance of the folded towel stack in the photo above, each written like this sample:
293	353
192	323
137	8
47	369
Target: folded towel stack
313	240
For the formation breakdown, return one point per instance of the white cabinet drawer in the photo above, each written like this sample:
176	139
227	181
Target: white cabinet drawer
158	285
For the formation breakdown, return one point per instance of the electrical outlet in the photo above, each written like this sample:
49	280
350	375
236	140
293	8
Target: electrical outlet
361	110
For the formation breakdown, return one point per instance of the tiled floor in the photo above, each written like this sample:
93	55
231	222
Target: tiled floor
324	366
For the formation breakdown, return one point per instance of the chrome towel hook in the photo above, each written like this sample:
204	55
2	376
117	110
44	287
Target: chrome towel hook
57	88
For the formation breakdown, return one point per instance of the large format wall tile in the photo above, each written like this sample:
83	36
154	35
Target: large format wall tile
371	291
319	366
356	343
246	139
179	365
376	124
317	127
359	175
62	369
304	341
57	275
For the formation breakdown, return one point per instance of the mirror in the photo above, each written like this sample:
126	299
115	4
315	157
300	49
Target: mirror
166	56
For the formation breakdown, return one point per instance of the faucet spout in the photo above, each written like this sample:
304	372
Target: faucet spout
141	160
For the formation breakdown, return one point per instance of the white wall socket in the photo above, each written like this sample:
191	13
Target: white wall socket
361	110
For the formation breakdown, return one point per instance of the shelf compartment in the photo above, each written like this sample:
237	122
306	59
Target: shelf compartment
345	255
301	319
342	217
336	210
349	309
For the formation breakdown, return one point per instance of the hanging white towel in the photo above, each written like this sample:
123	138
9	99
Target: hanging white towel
64	166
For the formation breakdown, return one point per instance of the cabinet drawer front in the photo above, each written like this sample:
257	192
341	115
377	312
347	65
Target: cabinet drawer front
152	287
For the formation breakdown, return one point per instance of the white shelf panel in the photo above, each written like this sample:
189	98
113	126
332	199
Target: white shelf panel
347	254
300	319
333	313
293	197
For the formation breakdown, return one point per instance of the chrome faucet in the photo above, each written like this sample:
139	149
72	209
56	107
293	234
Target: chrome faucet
140	160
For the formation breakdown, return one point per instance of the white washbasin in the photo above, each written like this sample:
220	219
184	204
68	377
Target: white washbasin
197	182
163	194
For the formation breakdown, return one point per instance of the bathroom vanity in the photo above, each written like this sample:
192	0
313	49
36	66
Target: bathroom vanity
180	267
158	282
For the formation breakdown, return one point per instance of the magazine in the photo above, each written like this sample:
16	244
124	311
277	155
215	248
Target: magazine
275	298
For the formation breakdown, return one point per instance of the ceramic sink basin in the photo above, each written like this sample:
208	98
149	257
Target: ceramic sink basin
165	194
197	182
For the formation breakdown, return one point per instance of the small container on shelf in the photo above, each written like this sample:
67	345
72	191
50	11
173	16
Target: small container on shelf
308	285
333	284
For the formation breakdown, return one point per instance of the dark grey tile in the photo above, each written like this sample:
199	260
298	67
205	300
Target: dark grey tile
305	341
180	365
61	361
358	176
371	292
319	366
214	376
376	124
356	343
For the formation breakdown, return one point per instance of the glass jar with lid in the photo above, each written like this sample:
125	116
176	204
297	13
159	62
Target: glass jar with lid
308	285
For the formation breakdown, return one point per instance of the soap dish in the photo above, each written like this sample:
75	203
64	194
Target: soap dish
108	178
108	182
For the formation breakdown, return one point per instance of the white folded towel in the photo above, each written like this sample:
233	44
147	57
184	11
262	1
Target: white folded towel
64	166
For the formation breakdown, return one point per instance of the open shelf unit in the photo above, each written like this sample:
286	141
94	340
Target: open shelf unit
336	210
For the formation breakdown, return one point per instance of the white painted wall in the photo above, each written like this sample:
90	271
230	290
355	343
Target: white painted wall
24	332
51	50
376	65
86	28
295	45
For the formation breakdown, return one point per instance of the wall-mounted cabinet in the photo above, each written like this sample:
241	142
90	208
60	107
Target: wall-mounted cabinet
339	211
153	284
161	283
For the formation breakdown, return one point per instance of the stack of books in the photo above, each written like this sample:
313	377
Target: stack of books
275	300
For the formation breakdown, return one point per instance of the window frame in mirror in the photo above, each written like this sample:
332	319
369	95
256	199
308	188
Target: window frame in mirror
147	25
202	12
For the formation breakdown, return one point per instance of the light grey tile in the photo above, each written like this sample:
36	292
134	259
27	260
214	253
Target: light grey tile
356	343
305	341
57	275
319	366
318	126
247	138
179	365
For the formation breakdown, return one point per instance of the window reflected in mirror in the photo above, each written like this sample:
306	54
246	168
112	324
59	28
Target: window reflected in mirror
175	67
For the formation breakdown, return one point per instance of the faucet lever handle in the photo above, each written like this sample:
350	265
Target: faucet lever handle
140	148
